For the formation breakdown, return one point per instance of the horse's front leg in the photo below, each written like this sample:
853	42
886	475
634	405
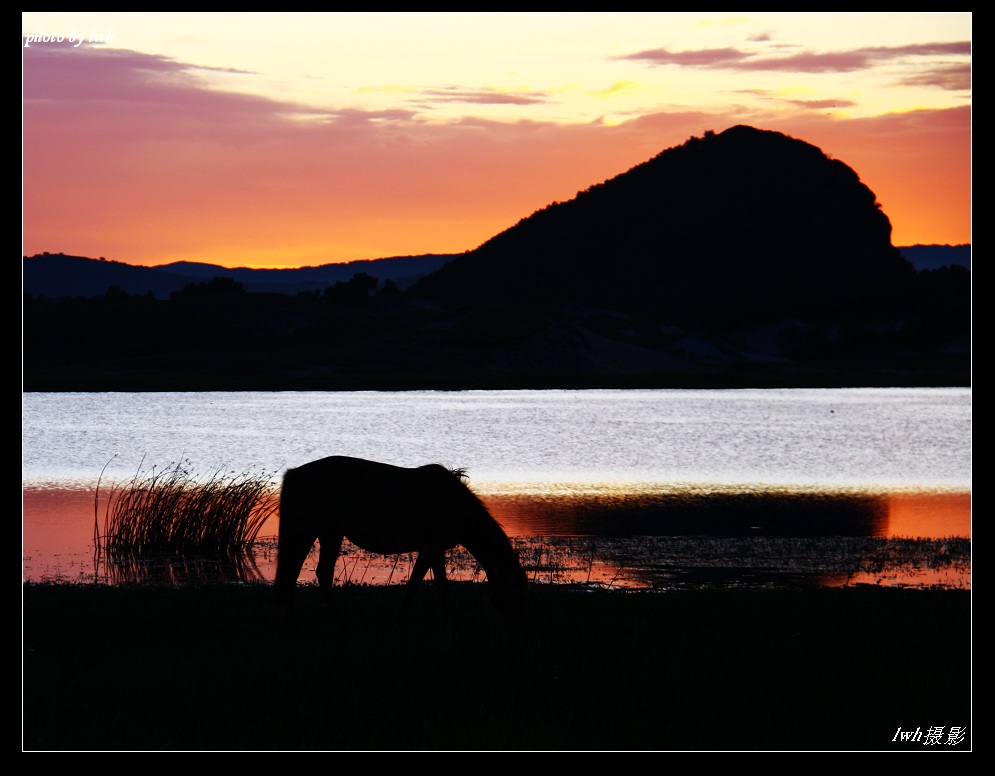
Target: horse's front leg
426	560
439	573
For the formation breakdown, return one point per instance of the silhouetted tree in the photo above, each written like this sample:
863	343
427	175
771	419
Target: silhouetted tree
354	292
218	286
389	288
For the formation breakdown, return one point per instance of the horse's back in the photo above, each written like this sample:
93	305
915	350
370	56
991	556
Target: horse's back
380	507
343	466
339	473
353	482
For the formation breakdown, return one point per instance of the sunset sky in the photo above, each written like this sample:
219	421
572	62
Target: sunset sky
295	139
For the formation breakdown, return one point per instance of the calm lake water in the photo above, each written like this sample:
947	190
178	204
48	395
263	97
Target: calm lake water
639	488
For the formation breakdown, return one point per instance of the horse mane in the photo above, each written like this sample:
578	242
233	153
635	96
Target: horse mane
491	527
463	477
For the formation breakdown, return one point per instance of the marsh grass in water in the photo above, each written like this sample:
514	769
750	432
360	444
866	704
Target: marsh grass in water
169	513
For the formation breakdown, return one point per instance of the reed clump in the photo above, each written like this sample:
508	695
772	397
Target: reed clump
169	512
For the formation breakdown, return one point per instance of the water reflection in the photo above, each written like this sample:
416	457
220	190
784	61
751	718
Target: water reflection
622	537
670	563
117	569
694	514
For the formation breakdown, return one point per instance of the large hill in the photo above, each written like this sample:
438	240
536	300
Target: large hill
728	227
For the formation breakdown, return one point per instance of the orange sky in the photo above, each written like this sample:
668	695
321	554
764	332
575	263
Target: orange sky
198	147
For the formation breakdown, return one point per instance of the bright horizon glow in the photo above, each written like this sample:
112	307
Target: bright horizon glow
299	139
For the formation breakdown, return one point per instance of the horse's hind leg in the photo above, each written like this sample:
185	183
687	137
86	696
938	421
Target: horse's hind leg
325	572
291	554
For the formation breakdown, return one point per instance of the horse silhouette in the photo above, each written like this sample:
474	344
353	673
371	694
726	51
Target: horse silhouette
390	510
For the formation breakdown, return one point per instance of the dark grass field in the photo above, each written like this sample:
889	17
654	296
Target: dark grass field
210	668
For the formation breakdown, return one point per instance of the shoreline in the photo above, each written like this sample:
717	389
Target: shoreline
54	380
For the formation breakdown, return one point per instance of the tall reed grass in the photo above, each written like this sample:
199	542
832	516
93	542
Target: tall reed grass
169	512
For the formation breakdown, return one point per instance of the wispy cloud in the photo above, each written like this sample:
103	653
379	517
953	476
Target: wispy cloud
799	62
720	57
821	104
483	96
951	77
619	88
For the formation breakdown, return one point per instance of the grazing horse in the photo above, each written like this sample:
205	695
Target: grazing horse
390	510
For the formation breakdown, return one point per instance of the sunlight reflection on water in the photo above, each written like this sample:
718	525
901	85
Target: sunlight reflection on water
836	438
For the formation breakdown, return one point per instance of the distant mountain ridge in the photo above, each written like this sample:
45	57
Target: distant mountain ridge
402	270
938	256
57	275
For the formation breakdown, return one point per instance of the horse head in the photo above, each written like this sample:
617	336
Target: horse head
507	590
